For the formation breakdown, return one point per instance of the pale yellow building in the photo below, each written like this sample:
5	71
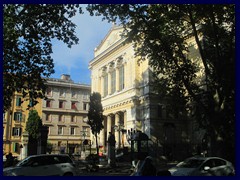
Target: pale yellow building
128	99
123	82
14	124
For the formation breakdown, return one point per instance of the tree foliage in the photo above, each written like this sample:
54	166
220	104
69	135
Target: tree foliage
95	115
205	85
28	30
34	124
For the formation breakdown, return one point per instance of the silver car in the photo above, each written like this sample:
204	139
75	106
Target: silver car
203	166
43	165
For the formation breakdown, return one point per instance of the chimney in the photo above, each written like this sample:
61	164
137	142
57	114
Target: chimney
65	77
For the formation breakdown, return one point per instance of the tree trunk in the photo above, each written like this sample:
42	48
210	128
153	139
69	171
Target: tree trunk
97	144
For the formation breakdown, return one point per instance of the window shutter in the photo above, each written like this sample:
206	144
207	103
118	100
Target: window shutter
18	101
20	115
15	116
20	131
14	147
13	129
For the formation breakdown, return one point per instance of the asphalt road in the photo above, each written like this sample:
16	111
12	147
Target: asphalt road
121	169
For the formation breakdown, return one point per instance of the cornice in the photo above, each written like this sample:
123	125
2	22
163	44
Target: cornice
107	52
113	28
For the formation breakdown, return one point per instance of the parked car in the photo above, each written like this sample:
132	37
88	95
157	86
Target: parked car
43	165
203	166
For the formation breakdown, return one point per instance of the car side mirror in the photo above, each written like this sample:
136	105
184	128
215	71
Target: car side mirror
206	168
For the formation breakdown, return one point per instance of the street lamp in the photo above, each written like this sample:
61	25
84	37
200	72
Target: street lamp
24	145
84	134
119	128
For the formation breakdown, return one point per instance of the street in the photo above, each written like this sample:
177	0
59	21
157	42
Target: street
121	169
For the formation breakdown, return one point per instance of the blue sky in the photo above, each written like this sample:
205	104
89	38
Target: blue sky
90	31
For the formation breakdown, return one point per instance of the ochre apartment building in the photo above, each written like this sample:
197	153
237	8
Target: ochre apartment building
64	113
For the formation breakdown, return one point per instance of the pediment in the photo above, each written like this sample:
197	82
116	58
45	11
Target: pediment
113	36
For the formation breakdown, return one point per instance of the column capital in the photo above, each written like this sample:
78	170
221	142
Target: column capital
110	67
103	71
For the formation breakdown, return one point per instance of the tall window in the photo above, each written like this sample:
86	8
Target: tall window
105	92
16	147
85	106
113	81
61	104
16	131
49	91
74	94
30	103
48	103
72	131
85	95
121	78
74	105
86	129
17	116
61	118
48	117
62	93
60	130
73	118
18	101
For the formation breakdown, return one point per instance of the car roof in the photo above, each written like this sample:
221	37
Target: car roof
40	155
205	158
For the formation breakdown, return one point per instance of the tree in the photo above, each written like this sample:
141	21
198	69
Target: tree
34	124
95	115
33	127
162	38
28	30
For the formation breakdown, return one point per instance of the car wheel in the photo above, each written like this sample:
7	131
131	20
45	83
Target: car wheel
68	174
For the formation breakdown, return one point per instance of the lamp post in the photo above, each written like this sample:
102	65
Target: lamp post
24	148
119	128
84	134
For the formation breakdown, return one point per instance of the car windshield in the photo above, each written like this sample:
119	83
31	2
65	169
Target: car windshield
190	163
25	162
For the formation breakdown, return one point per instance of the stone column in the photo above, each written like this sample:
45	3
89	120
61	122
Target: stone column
117	133
101	136
125	127
109	124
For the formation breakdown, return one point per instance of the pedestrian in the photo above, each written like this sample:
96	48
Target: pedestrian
10	160
111	150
